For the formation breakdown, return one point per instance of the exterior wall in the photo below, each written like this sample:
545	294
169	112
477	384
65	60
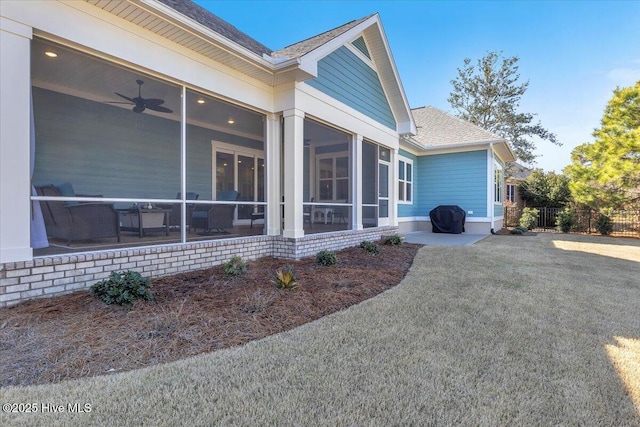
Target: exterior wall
452	179
412	209
424	224
345	77
57	275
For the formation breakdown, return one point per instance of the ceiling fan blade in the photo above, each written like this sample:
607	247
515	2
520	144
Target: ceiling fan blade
159	109
125	97
153	101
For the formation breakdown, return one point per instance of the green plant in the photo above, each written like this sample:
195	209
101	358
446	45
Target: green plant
285	278
325	257
519	230
565	220
235	266
123	288
604	224
529	218
370	247
394	240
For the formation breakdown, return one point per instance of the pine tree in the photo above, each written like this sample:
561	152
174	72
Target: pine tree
488	95
606	172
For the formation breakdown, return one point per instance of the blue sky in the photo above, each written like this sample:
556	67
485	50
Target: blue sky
574	53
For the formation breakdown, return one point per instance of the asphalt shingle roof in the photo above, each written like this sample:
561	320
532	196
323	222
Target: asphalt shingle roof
438	129
220	26
305	46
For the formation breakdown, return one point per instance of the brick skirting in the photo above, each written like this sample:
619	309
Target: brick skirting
56	275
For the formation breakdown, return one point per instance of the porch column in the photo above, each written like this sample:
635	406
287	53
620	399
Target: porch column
356	185
273	153
15	186
293	172
393	189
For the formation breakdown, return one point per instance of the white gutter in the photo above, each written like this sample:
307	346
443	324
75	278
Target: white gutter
492	187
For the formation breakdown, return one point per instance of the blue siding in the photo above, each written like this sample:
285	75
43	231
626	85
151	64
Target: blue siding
102	149
451	179
343	76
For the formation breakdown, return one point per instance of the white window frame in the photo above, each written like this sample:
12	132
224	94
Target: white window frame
498	183
405	181
334	179
511	192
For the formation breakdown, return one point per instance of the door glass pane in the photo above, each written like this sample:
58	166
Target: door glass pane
326	168
224	172
246	172
326	189
383	180
342	190
342	167
384	208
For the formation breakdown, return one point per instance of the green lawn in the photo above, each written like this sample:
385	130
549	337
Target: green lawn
536	330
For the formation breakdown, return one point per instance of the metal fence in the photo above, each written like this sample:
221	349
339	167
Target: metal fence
625	222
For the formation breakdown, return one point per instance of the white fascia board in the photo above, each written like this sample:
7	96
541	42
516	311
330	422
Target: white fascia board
166	11
323	50
16	28
412	129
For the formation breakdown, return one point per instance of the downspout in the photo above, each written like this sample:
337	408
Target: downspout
492	187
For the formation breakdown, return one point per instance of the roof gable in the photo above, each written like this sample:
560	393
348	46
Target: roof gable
309	52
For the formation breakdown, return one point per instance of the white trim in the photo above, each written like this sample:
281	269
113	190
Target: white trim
407	161
427	219
359	54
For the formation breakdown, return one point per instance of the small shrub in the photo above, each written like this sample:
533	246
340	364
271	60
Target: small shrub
565	220
285	278
123	288
529	218
326	258
519	230
235	266
604	224
394	240
370	247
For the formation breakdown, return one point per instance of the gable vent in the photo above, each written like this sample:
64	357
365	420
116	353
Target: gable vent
361	46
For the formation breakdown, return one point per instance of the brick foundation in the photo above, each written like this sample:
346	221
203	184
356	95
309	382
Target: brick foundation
56	275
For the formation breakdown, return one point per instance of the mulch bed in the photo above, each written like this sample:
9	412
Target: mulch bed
76	335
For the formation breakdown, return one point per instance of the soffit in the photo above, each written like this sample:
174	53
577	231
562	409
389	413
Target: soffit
166	22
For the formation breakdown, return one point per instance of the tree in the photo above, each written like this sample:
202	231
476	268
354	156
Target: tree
549	190
606	172
488	95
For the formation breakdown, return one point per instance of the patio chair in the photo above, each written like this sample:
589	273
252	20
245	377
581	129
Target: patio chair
72	221
176	209
215	217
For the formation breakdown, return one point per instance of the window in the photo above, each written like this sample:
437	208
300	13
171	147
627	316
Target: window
333	178
498	182
511	193
405	180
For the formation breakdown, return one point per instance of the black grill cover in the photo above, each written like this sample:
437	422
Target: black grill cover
448	219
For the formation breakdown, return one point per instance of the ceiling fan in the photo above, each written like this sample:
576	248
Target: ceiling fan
140	104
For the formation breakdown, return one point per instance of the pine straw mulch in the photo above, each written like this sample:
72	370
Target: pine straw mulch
72	336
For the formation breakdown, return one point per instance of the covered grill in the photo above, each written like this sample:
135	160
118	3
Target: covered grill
447	219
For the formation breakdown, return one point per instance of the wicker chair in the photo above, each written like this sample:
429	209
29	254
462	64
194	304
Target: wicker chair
215	217
72	221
